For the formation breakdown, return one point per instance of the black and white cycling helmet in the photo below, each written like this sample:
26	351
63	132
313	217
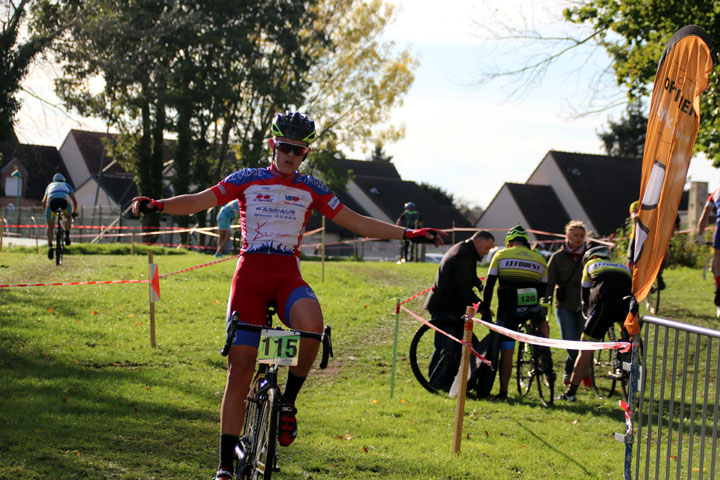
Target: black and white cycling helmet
294	125
59	177
600	251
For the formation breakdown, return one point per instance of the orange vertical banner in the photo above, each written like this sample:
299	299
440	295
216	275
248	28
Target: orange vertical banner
673	123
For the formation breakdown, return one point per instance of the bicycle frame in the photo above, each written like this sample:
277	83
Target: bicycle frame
256	452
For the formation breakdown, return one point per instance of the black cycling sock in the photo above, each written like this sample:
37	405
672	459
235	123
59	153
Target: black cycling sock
227	451
292	387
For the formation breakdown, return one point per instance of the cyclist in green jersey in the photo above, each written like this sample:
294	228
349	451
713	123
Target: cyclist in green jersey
522	277
606	289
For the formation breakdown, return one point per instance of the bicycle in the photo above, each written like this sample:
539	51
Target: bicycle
435	370
59	236
534	362
256	453
611	365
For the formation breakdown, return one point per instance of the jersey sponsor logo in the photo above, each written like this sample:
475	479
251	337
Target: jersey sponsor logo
334	202
315	184
292	198
521	265
606	265
310	293
260	197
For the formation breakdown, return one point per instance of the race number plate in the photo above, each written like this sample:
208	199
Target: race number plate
527	297
280	347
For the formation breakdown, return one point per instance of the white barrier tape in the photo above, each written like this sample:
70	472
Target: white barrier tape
458	340
551	342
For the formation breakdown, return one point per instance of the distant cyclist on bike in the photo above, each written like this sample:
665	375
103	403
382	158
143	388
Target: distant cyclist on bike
606	290
522	276
409	218
58	195
275	204
452	292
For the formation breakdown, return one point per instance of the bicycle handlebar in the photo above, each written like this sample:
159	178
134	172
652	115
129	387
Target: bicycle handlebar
234	324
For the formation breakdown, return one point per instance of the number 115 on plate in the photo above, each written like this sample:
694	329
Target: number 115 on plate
280	347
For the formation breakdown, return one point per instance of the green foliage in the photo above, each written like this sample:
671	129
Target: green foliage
635	34
15	59
626	138
439	194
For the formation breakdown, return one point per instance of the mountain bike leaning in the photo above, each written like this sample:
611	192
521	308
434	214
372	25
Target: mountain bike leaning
534	362
256	452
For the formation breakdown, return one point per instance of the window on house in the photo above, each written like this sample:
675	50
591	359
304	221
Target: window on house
13	187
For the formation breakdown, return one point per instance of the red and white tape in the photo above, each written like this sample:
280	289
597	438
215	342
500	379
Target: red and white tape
551	342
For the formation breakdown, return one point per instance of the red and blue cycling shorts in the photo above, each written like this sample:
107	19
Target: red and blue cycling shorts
259	279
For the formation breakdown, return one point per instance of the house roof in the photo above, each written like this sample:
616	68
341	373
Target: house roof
369	169
41	163
540	205
605	186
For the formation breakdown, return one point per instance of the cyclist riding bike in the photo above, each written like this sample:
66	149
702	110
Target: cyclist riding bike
522	276
409	218
58	195
275	204
606	290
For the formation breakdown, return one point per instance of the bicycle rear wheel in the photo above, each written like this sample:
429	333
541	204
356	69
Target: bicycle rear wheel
544	373
59	245
263	461
524	374
422	348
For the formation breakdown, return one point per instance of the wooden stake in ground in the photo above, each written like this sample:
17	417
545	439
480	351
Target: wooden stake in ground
462	388
154	284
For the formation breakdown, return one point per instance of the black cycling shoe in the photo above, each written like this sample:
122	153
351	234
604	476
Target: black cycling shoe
51	250
223	474
717	298
67	238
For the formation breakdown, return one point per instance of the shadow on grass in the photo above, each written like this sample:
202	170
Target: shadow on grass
61	420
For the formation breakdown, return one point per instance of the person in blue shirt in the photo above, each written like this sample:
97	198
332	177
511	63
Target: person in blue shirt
227	214
58	195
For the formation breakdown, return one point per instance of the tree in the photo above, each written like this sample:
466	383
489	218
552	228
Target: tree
15	60
626	137
438	194
634	34
379	155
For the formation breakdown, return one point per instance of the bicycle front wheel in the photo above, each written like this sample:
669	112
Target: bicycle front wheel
263	461
435	371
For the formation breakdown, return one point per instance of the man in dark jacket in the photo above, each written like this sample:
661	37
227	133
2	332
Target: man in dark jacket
452	293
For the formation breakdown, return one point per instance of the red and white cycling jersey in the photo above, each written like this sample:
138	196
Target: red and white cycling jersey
274	209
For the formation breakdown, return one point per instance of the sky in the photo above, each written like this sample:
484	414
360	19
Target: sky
464	137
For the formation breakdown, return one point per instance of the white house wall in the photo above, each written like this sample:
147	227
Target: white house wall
365	201
548	173
73	160
85	195
501	215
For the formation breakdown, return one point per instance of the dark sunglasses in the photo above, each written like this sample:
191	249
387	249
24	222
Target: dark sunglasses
288	148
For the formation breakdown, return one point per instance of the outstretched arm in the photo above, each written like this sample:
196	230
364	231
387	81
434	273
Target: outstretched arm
182	204
702	223
372	227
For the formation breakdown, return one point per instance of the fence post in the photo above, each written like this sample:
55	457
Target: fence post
462	386
322	250
395	342
152	279
2	231
37	247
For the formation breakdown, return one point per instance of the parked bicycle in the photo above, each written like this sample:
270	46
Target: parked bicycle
610	368
534	362
256	452
434	376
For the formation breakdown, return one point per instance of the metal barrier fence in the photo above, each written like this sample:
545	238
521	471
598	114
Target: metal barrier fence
677	416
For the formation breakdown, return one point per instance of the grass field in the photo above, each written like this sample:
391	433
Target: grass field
84	395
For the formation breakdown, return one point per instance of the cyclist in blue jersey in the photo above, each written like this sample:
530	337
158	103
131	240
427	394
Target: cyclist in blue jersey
275	205
606	289
225	217
58	195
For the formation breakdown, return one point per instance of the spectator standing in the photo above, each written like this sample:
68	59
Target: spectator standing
564	278
227	214
451	294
